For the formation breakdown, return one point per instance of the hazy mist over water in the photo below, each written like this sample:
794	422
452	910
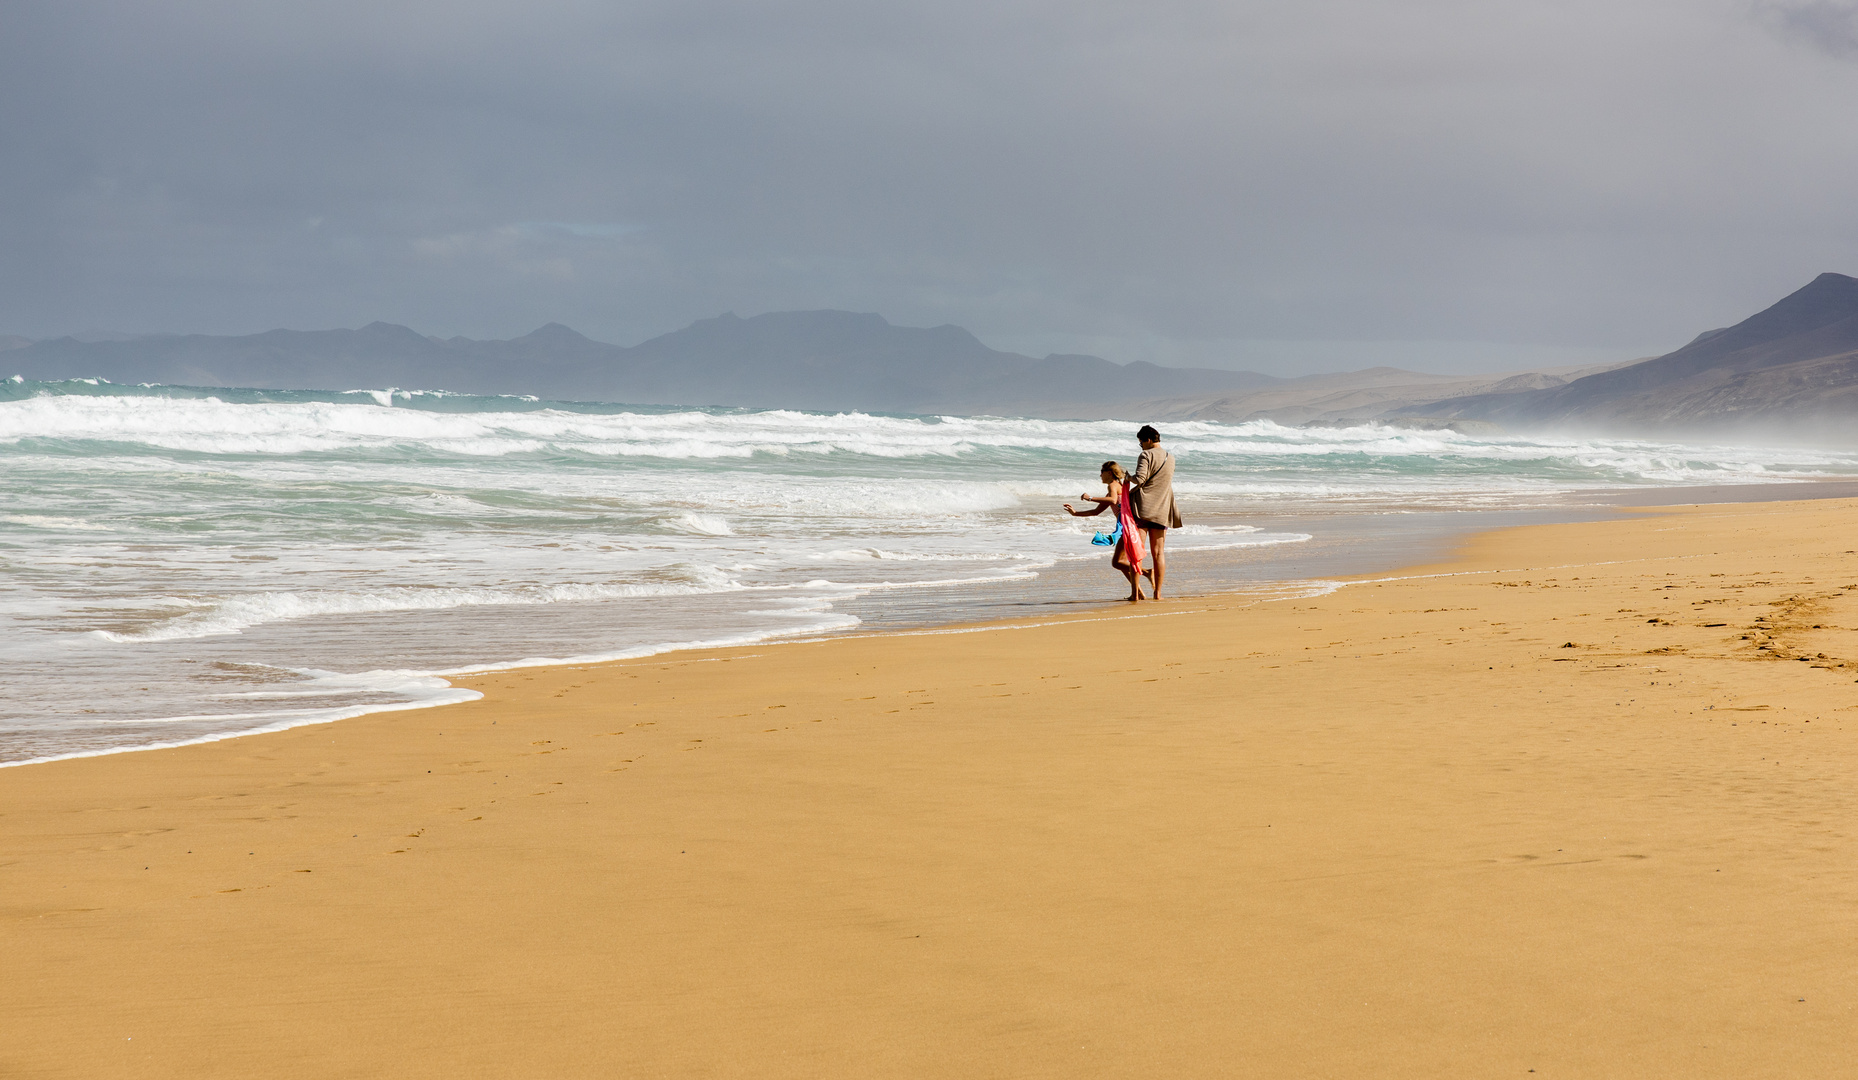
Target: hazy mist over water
183	564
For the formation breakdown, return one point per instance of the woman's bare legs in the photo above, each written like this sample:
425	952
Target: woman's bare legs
1134	575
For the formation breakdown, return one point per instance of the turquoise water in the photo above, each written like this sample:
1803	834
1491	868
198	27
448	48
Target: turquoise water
180	564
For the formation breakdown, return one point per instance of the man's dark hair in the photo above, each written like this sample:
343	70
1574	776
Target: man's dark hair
1148	434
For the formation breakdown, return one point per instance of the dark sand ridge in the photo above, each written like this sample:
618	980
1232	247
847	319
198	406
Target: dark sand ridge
1579	801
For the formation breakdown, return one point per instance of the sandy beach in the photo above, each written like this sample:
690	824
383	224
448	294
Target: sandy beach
1578	802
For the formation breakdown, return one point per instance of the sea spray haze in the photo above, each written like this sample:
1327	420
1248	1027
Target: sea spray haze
180	564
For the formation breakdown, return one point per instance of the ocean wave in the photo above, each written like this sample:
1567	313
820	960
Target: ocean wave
1259	540
700	525
883	555
47	521
1213	530
238	725
233	615
210	425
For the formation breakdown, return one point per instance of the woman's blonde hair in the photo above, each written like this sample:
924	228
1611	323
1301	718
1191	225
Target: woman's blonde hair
1115	470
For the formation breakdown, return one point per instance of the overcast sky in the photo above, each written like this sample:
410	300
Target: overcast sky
1286	186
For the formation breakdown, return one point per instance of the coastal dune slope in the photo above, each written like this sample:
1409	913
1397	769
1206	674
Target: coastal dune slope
1792	369
1357	396
1579	802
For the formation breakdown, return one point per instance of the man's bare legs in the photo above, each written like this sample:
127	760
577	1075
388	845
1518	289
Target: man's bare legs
1157	542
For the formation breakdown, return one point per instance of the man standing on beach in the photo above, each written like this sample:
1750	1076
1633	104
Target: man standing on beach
1151	496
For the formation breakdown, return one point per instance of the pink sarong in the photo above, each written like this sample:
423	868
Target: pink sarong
1132	533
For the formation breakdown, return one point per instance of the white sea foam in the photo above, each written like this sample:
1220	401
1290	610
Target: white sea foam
1212	530
861	554
825	624
44	521
1255	541
236	614
241	550
256	724
211	426
701	524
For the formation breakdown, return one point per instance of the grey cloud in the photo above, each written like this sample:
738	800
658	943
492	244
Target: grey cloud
1828	26
1184	180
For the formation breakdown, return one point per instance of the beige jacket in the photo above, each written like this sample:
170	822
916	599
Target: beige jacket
1151	489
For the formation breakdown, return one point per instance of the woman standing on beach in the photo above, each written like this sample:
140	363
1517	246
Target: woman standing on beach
1151	494
1128	555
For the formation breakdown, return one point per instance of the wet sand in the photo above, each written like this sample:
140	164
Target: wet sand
1578	801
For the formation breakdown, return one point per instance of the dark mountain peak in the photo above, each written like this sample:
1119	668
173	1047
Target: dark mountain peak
391	331
825	317
555	333
1793	361
782	332
952	336
1827	299
1817	320
1829	280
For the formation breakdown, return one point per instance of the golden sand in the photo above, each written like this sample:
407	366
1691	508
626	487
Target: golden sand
1581	802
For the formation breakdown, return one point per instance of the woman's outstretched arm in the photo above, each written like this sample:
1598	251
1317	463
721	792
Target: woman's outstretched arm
1104	502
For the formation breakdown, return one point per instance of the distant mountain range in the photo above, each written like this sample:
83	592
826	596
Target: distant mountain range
1790	369
817	360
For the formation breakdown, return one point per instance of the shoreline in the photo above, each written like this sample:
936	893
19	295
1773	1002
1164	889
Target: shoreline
1576	799
1055	586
